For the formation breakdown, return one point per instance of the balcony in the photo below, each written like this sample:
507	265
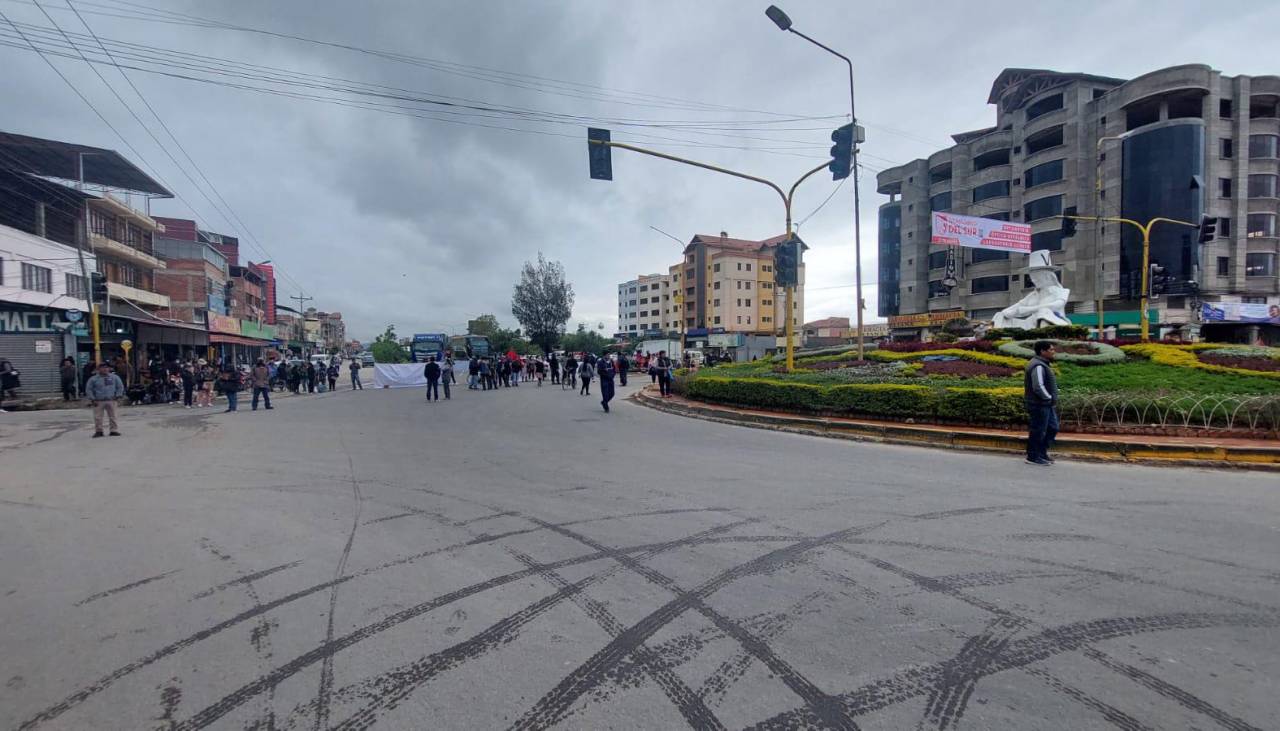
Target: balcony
138	296
110	247
120	210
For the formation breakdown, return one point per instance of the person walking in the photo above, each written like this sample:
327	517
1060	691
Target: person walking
606	371
431	372
663	373
1040	391
311	377
188	377
333	376
261	384
570	373
623	365
67	374
355	375
540	370
553	365
584	375
103	389
446	376
473	374
229	381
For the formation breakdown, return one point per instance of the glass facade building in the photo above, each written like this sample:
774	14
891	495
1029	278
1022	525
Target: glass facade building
1163	177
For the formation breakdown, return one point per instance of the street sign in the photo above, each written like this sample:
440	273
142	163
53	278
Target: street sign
74	315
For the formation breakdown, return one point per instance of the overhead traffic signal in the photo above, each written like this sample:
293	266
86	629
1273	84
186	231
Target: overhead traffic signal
1159	280
1068	223
1208	229
841	152
599	154
98	287
786	262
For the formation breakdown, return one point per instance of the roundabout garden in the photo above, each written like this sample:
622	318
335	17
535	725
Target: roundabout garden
1146	388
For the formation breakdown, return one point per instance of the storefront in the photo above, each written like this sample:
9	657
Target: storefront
240	341
922	325
35	340
1119	323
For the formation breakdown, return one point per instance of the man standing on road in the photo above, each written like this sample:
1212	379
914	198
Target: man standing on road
554	366
584	375
663	367
604	367
332	373
103	389
261	384
431	372
229	379
623	365
1040	391
446	375
355	374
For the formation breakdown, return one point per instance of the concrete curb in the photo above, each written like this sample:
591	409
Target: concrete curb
1108	448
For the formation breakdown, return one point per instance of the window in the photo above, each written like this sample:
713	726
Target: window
716	321
940	174
738	282
644	300
937	260
748	266
766	267
980	255
739	266
715	303
1254	300
994	189
1262	186
748	285
1044	106
632	303
937	290
1262	146
766	303
1259	265
1044	140
982	285
1047	241
36	278
1224	187
1224	108
1257	225
1227	149
766	319
644	288
1002	216
1043	208
690	291
1224	266
990	159
1041	174
631	291
76	287
716	285
739	301
1224	228
940	202
1098	93
748	302
739	319
748	319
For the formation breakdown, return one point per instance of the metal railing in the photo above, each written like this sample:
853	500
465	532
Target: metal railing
1225	412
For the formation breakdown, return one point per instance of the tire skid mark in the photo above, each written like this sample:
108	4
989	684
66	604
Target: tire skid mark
919	680
996	578
97	686
245	579
948	700
943	514
238	697
1170	691
792	678
326	665
126	587
552	707
1115	716
391	687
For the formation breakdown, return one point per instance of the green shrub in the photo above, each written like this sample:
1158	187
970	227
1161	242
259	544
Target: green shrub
1102	353
924	402
1049	332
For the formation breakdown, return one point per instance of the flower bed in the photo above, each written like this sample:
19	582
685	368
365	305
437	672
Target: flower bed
982	346
971	355
1083	352
964	369
1184	356
1243	362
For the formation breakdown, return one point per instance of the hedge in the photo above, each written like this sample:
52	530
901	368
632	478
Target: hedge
1049	332
968	405
887	356
1184	356
1103	353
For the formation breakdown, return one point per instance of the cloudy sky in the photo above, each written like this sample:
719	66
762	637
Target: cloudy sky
422	215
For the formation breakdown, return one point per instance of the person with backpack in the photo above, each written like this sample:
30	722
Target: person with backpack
431	372
332	373
584	375
446	375
606	371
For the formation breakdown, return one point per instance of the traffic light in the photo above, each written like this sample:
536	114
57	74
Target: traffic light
786	263
1208	229
599	155
1159	281
98	287
1068	223
841	152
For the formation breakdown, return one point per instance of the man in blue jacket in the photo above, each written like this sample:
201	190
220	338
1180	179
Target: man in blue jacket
103	389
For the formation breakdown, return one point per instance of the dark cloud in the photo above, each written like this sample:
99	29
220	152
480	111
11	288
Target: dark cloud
426	223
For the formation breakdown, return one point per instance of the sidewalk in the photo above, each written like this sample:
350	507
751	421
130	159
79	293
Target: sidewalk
1184	451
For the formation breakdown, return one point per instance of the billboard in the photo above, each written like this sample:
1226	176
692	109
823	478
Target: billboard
950	229
1240	312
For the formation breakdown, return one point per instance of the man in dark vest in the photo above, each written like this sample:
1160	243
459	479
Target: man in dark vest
1040	391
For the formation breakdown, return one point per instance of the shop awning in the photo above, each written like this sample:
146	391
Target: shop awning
220	338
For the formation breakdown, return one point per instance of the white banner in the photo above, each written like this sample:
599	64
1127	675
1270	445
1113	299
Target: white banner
398	375
950	229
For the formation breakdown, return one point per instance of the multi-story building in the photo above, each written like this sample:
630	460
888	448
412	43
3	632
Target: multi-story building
640	304
1179	143
333	331
727	286
195	278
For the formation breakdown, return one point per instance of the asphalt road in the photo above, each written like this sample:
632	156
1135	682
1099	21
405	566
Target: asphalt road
521	560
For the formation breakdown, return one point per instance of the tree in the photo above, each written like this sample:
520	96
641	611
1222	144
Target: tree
386	348
542	302
486	325
584	340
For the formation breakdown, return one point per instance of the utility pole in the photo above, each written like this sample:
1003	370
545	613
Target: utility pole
84	272
302	322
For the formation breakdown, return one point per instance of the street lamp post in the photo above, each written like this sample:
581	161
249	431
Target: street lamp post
783	22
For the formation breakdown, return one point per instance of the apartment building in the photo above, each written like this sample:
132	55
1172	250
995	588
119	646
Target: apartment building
1179	142
641	302
727	286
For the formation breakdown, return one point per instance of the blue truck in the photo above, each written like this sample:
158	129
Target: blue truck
425	345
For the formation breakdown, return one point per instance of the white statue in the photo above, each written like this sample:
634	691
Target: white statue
1047	305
